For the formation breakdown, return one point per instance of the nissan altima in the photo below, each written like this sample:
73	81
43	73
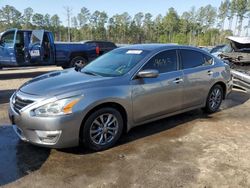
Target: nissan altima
124	88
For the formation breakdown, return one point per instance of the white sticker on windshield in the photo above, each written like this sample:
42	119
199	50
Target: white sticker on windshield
137	52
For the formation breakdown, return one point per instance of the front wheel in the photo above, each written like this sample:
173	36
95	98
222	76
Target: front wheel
102	129
214	99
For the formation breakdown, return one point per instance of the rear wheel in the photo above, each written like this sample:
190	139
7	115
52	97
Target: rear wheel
214	99
76	61
102	129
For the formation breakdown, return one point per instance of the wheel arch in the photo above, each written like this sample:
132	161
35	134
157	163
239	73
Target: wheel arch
114	105
224	87
78	54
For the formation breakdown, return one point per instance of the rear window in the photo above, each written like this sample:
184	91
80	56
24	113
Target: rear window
106	44
191	59
111	45
208	60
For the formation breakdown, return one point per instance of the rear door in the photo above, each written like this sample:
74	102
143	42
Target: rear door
35	47
154	97
198	76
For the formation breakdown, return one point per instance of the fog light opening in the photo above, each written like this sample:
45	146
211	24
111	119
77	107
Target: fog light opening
49	137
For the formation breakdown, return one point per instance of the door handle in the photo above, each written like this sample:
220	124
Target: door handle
178	80
210	72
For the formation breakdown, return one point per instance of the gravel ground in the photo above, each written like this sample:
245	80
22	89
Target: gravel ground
188	150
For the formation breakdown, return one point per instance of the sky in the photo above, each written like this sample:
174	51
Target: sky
112	7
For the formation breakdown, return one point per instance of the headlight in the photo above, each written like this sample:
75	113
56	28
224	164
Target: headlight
60	107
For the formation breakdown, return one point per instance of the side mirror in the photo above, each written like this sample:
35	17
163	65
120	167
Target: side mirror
148	73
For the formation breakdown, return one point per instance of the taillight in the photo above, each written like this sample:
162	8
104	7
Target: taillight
97	50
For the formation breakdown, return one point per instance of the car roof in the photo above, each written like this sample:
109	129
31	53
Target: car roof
159	46
24	30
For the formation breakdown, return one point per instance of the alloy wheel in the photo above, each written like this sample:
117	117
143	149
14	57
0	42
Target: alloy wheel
215	98
104	129
80	63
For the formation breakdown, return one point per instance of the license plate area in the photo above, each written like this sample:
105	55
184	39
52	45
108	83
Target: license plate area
34	53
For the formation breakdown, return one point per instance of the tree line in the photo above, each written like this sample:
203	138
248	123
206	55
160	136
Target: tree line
203	26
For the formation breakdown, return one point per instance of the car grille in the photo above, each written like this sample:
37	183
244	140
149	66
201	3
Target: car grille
19	103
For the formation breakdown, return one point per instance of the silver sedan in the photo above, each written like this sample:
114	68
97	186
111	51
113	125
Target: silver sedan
122	89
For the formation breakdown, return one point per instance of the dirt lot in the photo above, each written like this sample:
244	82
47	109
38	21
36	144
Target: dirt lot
187	150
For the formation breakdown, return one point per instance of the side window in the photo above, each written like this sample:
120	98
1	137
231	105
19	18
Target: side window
191	59
208	60
111	45
163	62
8	38
20	39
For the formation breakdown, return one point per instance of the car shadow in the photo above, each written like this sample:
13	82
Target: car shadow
148	129
5	95
234	99
18	159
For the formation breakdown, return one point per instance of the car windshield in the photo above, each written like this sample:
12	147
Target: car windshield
115	63
227	49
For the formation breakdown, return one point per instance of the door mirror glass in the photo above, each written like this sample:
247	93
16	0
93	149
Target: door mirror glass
148	73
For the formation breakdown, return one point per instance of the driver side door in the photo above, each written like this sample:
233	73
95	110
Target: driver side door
36	50
155	97
7	48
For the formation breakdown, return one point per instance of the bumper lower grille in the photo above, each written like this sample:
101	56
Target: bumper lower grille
19	103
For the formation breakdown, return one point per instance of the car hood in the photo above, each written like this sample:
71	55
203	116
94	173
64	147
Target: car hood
60	82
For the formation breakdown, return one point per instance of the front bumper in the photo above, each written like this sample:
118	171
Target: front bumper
52	132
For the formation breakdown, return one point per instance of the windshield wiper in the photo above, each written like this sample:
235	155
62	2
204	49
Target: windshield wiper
90	73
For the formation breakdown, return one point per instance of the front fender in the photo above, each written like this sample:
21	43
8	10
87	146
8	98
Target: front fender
120	96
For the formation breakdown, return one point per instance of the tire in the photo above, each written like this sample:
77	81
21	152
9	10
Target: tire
93	132
214	99
80	61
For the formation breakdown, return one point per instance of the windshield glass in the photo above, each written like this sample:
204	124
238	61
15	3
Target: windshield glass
115	63
227	49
